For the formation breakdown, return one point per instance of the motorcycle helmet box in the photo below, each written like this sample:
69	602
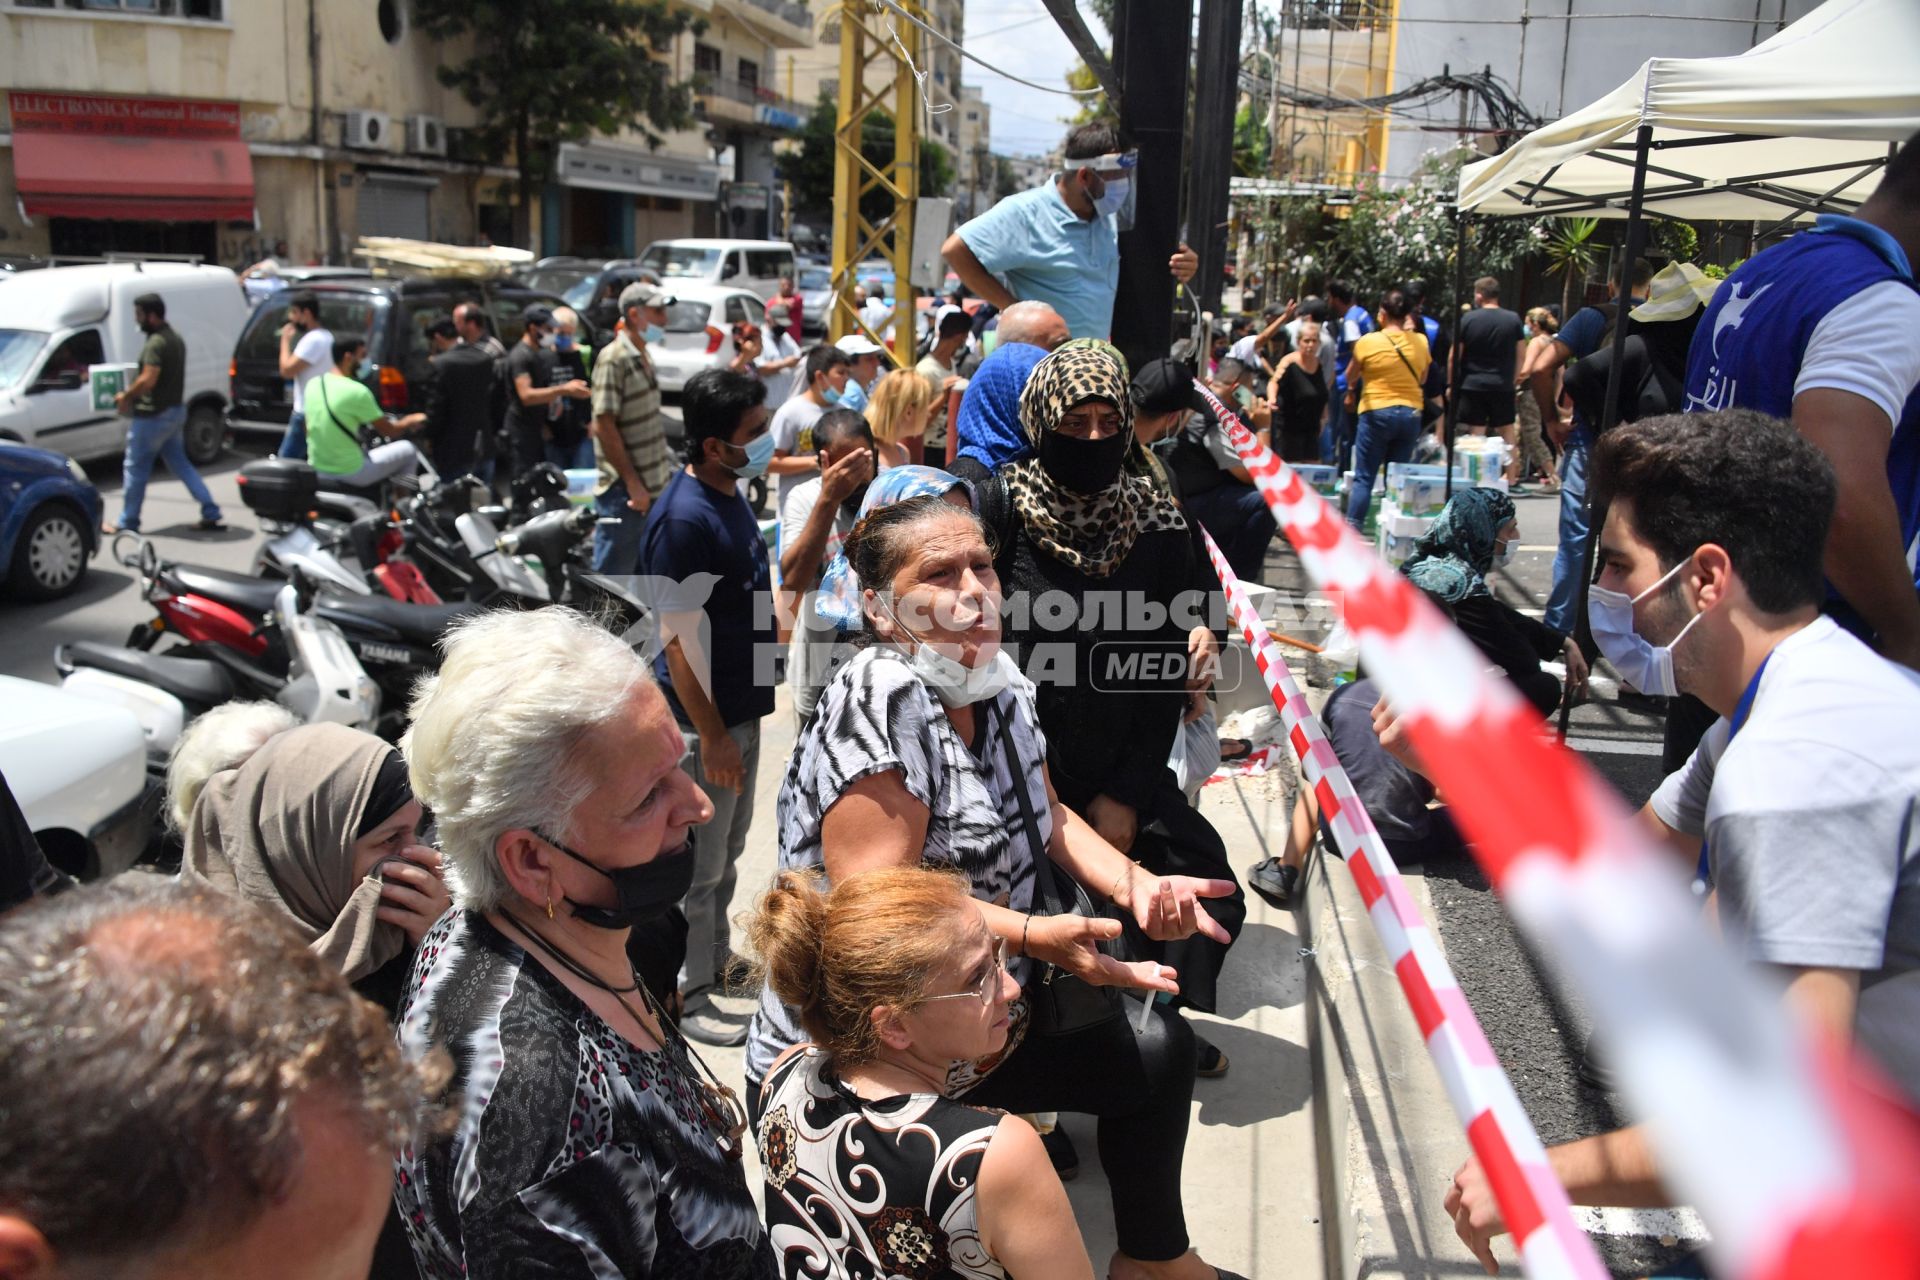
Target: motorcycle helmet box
279	488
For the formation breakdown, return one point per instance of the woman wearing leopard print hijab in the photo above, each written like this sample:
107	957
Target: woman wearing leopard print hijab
1106	582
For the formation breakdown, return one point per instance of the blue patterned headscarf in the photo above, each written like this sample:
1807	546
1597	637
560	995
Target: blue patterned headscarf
988	423
838	601
1451	560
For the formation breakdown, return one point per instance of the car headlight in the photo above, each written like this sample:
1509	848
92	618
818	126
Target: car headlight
77	471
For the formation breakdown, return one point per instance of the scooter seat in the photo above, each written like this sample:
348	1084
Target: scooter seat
243	591
418	624
200	682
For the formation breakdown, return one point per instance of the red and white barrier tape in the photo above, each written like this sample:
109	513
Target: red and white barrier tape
1755	1124
1531	1198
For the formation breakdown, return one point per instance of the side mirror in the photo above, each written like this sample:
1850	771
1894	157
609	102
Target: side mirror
63	380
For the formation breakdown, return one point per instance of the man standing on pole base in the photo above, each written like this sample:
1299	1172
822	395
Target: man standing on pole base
1058	243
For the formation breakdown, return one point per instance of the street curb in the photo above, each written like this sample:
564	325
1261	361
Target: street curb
1386	1137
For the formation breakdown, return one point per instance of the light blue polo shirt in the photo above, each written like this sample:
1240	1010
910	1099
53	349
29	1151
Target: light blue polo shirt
1047	252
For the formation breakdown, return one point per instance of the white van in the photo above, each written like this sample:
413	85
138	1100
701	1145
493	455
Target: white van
58	322
754	265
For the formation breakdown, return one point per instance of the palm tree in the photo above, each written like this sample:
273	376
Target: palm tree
1571	252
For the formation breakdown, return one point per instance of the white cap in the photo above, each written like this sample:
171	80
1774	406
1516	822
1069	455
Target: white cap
859	344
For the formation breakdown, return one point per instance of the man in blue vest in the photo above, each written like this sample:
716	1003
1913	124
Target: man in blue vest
1348	322
1821	329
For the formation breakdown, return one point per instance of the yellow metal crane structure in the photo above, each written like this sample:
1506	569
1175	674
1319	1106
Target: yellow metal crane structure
878	54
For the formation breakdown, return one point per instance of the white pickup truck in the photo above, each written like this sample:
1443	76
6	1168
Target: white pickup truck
79	771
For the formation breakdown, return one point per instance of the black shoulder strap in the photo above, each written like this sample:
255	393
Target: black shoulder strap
1046	888
326	400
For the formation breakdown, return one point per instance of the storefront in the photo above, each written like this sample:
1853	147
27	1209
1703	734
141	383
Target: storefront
615	201
130	175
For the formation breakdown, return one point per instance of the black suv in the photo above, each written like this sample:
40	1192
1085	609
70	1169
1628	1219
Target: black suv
394	315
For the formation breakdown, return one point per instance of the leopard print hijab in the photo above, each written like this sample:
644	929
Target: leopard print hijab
1090	533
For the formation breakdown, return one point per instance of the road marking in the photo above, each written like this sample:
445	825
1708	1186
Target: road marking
1660	1224
1615	746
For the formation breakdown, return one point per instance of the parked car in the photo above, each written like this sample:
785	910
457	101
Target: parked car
59	322
79	770
591	286
700	330
49	521
815	285
294	276
393	315
753	265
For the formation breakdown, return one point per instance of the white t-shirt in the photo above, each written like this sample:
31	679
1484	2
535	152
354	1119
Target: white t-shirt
1812	819
316	348
778	344
810	652
793	434
1247	352
1866	345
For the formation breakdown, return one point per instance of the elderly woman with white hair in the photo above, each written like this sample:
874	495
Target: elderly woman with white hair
591	1140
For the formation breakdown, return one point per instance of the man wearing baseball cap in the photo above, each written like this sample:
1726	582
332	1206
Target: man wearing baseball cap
532	390
629	436
865	354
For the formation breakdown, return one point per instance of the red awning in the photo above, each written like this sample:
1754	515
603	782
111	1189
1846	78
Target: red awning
66	175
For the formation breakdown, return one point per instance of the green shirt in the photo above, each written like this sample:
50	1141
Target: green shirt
166	351
337	407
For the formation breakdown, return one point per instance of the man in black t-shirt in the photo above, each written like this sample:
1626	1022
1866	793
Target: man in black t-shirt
1492	341
530	390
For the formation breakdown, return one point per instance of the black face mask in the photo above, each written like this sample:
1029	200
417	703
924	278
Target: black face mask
646	892
1084	466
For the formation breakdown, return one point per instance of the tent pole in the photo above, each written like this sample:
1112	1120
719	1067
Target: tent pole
1610	407
1459	295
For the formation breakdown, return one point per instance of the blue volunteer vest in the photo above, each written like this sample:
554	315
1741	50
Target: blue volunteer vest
1748	348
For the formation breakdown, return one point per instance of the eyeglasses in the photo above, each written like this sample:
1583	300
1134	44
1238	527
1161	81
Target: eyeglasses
989	983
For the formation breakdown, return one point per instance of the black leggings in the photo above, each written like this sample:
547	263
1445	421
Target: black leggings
1140	1087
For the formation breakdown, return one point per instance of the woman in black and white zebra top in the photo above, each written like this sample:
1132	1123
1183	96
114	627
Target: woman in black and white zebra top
927	750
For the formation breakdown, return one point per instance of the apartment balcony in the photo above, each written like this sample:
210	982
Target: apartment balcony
784	24
730	102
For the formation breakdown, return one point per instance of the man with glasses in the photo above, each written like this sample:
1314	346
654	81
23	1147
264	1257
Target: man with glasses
1058	243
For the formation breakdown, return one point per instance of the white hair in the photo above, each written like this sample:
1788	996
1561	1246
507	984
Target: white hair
566	318
224	738
493	735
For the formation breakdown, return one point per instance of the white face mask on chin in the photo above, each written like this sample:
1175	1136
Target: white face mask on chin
952	681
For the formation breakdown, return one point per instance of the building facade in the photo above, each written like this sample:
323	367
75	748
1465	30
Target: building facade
975	167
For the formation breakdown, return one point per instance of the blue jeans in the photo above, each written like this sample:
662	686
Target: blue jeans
1332	443
1571	559
294	443
1384	435
578	458
616	547
159	437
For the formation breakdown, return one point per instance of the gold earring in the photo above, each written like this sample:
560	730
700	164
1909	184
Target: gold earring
549	904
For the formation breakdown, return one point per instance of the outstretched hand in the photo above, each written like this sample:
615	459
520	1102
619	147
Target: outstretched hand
1072	943
1168	908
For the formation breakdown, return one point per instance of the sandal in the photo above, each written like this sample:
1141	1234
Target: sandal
1232	749
1213	1064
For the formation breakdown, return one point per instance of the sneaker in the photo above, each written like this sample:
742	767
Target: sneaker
707	1025
212	526
1066	1161
1275	881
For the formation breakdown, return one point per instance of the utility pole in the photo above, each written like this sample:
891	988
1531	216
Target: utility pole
1152	44
1214	100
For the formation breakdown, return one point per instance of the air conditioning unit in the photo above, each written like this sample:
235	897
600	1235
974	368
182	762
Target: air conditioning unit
426	135
368	130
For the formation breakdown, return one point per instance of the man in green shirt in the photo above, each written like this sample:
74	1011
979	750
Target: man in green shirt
338	405
155	399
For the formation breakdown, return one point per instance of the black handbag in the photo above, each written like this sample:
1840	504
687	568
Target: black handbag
1060	1002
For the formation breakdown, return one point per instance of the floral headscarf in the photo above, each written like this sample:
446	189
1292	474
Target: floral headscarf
1452	558
838	600
1091	533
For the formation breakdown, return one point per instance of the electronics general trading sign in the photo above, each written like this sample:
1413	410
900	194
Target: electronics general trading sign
80	113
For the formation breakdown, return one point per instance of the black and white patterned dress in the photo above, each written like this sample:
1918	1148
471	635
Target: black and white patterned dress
877	716
860	1189
576	1153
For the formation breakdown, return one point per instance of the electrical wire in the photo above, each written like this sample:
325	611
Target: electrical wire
970	56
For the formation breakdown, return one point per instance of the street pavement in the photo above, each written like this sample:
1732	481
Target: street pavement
1253	1190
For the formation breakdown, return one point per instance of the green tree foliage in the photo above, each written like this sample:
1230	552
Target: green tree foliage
811	168
1252	147
1571	253
543	72
1408	233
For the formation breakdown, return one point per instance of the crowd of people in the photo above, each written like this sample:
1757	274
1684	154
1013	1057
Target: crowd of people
436	1009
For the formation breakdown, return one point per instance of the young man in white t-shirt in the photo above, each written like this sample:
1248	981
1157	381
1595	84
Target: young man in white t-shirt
1806	791
306	352
816	517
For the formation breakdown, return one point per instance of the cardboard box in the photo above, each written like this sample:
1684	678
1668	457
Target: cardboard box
108	381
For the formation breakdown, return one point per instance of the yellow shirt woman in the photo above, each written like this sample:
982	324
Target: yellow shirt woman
1393	365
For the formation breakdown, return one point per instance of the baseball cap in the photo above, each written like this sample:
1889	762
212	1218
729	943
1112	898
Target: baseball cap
642	294
537	314
859	344
1164	385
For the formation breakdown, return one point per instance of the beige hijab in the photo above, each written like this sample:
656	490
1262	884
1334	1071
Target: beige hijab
279	832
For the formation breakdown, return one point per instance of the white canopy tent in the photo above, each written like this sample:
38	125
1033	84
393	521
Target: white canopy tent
1797	125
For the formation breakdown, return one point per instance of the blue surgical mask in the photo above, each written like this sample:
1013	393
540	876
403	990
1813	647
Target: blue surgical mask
563	342
363	370
1114	198
654	333
759	453
830	395
1644	665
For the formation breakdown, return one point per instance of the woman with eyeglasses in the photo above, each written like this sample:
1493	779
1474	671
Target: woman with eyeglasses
870	1168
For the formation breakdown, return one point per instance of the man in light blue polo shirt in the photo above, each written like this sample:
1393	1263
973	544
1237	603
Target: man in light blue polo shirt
1057	243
